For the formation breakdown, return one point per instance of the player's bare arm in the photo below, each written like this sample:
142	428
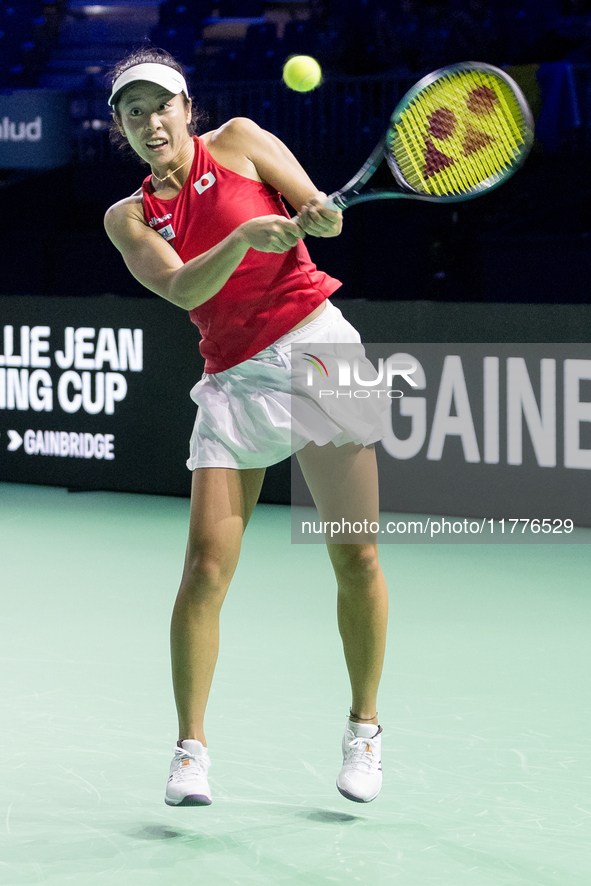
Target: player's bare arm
156	265
241	145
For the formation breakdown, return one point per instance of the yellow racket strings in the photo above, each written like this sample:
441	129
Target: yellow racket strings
418	131
465	129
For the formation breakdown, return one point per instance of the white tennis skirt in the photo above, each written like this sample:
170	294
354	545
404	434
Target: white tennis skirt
266	408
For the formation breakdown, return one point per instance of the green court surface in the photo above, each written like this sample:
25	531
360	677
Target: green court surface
484	705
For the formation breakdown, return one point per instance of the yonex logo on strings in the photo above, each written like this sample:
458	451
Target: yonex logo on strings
442	124
18	132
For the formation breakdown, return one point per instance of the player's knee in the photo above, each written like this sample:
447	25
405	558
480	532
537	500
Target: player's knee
207	573
355	564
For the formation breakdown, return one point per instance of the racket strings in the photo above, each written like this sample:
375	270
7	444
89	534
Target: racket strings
417	139
458	133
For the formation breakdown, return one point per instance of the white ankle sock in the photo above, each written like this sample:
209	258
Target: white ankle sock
363	730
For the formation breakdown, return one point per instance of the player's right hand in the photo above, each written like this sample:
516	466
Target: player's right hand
271	233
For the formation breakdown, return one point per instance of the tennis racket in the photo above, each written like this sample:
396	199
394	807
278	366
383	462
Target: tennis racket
459	132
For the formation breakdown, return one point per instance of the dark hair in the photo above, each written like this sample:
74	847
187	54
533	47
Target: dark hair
145	55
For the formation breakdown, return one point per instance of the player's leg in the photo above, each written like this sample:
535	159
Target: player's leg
222	501
344	484
362	611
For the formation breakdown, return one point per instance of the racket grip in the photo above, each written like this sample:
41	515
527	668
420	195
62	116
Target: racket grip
331	202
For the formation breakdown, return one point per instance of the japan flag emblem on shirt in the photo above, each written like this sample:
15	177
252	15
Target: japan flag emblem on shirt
205	182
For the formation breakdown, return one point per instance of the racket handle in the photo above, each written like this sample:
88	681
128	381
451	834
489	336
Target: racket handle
333	202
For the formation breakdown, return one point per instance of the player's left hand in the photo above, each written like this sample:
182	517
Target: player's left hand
317	221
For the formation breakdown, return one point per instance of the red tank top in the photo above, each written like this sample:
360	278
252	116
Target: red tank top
267	294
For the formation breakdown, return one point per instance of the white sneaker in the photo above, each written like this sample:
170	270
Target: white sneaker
360	779
187	783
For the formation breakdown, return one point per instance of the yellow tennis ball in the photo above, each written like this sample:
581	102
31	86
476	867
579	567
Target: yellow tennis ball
302	73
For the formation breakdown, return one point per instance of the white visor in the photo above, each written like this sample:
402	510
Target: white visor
163	75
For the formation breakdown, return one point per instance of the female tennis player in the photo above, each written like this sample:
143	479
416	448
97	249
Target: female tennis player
208	231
